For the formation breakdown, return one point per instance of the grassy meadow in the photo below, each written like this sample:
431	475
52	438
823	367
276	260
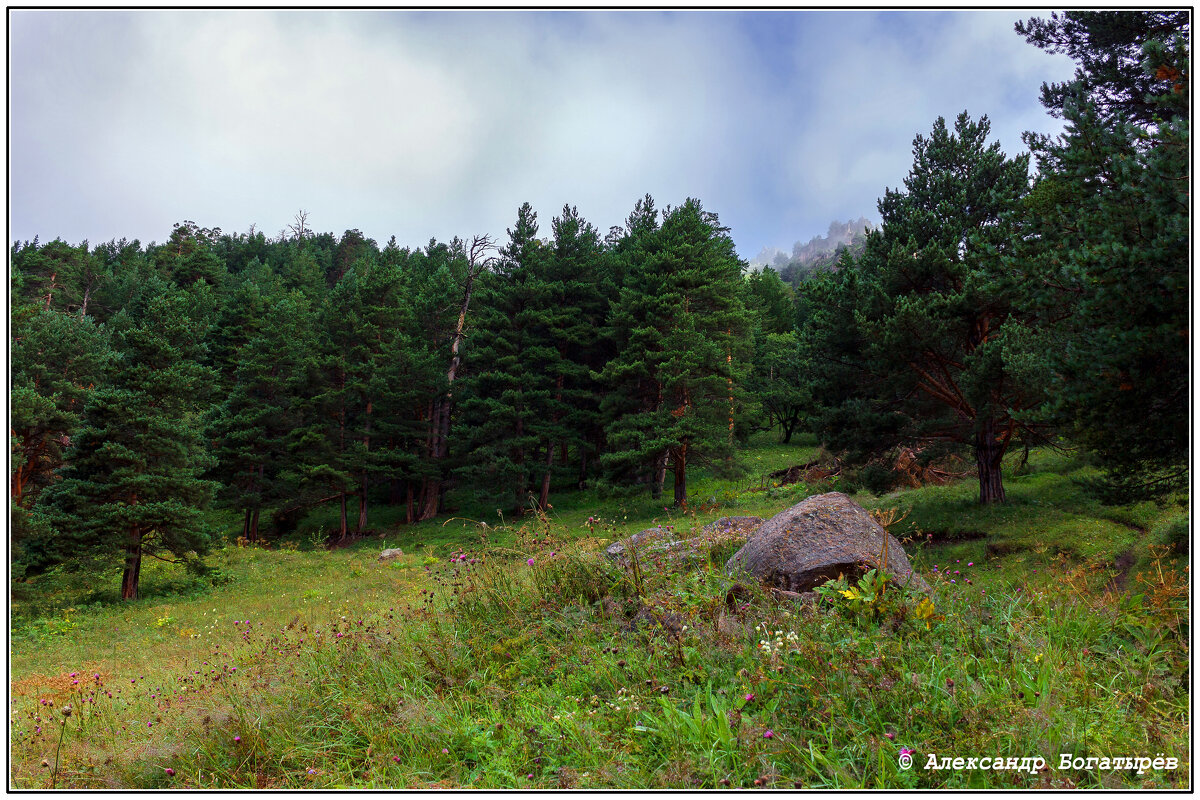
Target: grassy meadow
512	654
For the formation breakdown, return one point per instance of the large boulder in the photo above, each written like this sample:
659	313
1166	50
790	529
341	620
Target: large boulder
818	539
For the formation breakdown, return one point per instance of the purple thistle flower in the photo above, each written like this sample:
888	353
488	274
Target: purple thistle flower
906	751
530	562
768	734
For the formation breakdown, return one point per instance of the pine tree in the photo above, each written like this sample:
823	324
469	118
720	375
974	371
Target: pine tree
1106	261
680	326
56	362
932	310
506	402
132	488
250	428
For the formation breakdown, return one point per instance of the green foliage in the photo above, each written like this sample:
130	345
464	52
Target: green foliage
515	671
132	485
1105	263
679	325
907	343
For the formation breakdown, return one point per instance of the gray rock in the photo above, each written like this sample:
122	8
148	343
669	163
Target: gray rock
642	541
817	540
390	553
732	525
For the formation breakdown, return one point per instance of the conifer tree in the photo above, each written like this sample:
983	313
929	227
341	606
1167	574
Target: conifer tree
250	428
56	361
506	403
132	487
934	310
1105	261
680	327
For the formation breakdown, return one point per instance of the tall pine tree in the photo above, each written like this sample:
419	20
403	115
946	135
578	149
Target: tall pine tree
681	332
132	488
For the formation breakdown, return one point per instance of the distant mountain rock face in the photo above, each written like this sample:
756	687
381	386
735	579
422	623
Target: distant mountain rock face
819	253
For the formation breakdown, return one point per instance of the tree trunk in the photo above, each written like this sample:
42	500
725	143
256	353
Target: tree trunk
246	523
681	476
362	507
544	497
660	475
989	451
409	509
253	536
344	527
441	422
133	564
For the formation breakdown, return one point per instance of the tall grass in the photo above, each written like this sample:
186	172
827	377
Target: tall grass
518	656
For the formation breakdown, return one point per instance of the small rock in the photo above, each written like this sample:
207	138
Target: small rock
390	553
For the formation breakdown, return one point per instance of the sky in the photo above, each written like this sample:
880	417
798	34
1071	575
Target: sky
435	124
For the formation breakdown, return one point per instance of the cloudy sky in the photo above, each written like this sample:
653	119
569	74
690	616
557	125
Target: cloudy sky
436	124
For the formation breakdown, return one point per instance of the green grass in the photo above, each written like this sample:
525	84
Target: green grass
461	665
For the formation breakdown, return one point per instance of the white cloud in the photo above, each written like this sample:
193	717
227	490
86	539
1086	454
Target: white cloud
439	124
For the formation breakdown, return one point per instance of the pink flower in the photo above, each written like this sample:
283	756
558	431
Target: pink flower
889	736
170	772
970	563
906	751
444	750
237	738
768	734
530	562
749	697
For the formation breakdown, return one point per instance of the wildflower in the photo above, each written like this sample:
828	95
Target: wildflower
311	771
530	562
396	759
529	776
749	697
237	739
768	734
970	563
170	772
889	736
906	751
444	750
552	554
